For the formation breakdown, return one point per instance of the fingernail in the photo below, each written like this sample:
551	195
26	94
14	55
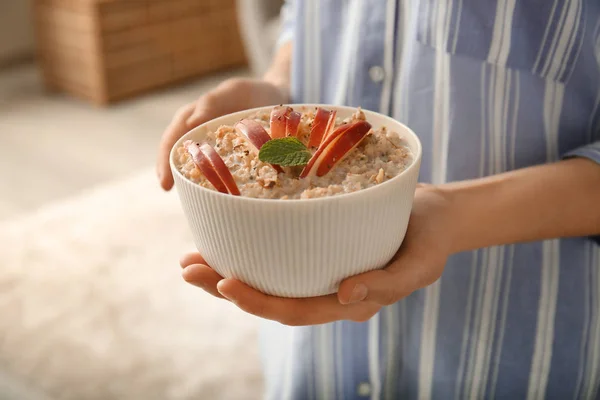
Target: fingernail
359	293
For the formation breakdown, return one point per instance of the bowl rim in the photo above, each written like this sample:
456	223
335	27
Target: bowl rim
339	197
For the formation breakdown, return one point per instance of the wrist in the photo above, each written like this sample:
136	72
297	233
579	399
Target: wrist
536	203
278	73
434	206
471	214
463	211
486	212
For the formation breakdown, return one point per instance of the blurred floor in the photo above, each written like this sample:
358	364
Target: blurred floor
52	146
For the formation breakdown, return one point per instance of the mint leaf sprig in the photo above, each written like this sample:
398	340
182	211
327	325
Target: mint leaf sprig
285	152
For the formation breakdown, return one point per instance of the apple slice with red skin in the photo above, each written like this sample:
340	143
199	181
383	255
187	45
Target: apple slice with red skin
310	168
322	124
253	131
256	134
220	168
330	125
205	166
293	122
339	149
284	122
335	147
279	117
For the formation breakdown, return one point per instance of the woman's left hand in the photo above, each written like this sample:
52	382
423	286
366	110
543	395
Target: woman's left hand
419	263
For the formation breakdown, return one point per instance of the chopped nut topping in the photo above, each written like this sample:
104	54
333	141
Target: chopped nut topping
266	183
380	175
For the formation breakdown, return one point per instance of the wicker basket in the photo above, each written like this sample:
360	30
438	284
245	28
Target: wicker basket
107	50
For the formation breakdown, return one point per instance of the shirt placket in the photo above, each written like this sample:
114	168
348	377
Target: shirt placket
369	72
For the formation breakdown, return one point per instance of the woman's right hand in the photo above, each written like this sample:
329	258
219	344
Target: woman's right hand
230	96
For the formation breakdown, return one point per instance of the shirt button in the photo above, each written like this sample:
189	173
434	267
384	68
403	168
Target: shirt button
376	73
364	389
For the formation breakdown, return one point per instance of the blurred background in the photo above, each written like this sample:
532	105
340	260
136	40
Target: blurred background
91	301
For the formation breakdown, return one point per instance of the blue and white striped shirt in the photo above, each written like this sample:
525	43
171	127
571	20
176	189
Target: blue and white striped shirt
489	86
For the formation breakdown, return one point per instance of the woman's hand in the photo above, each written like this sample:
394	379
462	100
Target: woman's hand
419	263
230	96
547	201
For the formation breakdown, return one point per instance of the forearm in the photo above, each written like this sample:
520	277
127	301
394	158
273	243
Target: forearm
280	68
548	201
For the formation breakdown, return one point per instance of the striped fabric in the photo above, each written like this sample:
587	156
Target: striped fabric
489	86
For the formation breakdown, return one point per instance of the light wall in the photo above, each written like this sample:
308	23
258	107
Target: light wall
16	33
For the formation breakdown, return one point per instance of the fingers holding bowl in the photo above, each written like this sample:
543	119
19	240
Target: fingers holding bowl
176	129
191	258
294	311
202	276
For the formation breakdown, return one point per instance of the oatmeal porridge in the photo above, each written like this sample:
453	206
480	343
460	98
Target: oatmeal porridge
286	154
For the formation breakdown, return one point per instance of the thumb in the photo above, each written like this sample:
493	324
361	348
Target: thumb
405	274
198	117
378	286
207	107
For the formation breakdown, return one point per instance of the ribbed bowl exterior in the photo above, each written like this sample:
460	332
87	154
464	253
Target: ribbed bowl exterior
300	248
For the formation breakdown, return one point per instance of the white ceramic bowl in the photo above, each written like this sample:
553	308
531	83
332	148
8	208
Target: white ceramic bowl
300	248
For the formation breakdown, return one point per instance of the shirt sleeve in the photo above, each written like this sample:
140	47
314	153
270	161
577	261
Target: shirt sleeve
592	152
288	23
